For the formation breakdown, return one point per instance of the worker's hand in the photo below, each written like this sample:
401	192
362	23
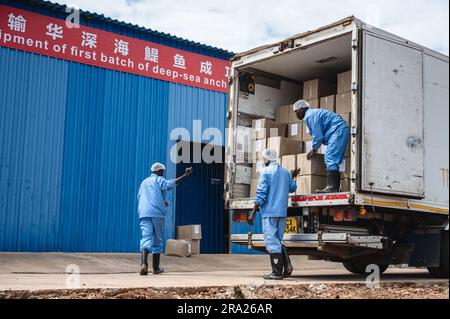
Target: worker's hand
310	154
251	218
295	172
189	171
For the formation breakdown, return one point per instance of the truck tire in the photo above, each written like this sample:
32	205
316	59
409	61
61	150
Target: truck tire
360	269
442	270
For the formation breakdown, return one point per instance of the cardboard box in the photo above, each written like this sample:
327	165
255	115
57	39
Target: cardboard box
315	166
289	162
257	169
308	184
345	185
346	117
253	187
285	114
241	191
265	128
285	146
328	102
258	148
295	131
243	174
189	232
178	247
308	147
314	103
344	168
344	103
317	88
344	82
195	246
305	134
244	144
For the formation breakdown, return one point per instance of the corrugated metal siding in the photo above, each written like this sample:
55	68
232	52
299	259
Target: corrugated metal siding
199	200
69	174
186	105
33	96
244	228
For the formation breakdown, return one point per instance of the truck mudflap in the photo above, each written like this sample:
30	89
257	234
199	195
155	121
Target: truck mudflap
317	240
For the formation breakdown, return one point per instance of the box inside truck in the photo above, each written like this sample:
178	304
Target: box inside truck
319	73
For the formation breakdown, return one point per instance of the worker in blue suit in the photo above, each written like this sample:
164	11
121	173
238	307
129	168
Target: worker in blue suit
152	204
330	129
272	194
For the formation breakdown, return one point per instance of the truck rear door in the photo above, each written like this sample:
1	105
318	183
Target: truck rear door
392	149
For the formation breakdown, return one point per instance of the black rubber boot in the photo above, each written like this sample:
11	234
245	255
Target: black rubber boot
333	182
156	269
288	269
144	262
277	262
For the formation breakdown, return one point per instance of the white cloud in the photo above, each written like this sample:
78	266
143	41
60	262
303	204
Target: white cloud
238	25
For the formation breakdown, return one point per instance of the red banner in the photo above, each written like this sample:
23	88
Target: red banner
31	32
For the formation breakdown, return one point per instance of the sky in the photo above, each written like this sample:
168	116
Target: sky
240	25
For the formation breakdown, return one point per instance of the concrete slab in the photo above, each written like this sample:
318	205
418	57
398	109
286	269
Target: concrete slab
49	271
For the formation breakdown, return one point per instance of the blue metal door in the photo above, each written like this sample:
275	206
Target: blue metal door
199	200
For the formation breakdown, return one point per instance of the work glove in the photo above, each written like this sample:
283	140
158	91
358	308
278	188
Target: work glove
295	172
310	154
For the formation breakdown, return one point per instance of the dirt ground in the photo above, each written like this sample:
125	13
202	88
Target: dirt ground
306	291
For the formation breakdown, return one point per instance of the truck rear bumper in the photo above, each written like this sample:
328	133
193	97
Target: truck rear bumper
318	240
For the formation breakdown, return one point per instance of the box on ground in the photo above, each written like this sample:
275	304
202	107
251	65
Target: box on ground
328	102
315	166
285	146
344	82
189	232
295	131
195	246
317	88
178	247
344	103
265	128
285	114
308	184
243	174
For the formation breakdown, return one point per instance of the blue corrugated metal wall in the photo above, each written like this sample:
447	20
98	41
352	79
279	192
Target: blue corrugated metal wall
76	141
244	228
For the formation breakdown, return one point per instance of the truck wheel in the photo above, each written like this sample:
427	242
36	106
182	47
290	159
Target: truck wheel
442	270
360	269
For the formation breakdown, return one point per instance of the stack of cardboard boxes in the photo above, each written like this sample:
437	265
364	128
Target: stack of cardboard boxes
291	138
187	242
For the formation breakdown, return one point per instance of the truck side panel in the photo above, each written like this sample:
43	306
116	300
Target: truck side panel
436	129
392	118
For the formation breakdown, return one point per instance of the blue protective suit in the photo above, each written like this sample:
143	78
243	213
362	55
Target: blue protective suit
330	129
274	186
152	230
153	199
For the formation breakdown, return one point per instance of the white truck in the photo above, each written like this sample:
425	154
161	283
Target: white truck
396	209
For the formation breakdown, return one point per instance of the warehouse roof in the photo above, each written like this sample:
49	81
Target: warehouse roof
90	15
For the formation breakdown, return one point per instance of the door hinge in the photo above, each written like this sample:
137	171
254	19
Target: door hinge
354	87
354	44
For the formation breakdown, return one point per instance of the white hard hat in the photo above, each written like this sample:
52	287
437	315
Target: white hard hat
301	104
157	167
270	155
